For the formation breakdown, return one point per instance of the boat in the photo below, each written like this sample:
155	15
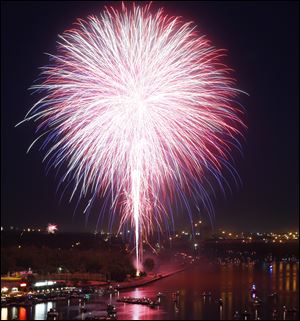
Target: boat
52	314
246	315
83	309
141	301
236	315
111	308
256	301
152	304
253	291
112	290
206	294
111	312
274	314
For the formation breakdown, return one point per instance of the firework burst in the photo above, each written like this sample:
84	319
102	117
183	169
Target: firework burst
52	228
140	110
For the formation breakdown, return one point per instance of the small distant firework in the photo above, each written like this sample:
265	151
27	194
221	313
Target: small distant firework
52	228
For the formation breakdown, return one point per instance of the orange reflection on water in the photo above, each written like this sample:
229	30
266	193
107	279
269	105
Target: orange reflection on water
287	281
197	308
280	267
22	314
294	282
229	306
280	282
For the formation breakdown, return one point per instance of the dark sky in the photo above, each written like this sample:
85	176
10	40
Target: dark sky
263	48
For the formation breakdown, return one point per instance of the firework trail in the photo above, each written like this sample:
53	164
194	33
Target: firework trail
141	111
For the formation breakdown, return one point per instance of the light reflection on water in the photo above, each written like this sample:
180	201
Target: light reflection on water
4	313
14	313
22	314
41	310
231	284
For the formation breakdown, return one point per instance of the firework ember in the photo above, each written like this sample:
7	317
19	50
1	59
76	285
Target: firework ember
141	112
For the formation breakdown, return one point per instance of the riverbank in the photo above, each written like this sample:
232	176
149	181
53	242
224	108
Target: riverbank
25	299
137	282
147	279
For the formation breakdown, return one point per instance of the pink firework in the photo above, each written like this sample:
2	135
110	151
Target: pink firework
52	228
140	110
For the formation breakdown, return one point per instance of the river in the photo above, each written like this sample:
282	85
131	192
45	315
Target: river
230	283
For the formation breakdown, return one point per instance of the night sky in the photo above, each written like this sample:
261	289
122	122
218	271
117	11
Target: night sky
263	49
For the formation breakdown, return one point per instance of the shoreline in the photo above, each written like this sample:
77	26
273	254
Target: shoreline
115	286
138	283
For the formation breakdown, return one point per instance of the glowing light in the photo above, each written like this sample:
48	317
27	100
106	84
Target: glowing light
141	110
44	283
52	228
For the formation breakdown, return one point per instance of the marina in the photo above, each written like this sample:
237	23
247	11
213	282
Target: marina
220	293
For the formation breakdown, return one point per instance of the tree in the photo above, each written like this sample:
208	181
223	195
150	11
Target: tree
149	264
